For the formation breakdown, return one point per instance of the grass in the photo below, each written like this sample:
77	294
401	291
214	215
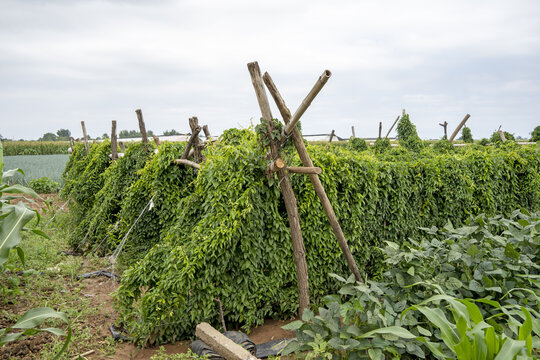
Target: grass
36	166
50	279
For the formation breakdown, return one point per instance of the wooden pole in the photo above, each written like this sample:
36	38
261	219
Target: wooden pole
276	165
305	104
193	124
142	128
391	127
444	125
454	134
501	134
317	185
156	140
187	162
353	135
331	135
304	170
299	251
191	140
85	136
222	344
380	129
207	133
114	145
122	147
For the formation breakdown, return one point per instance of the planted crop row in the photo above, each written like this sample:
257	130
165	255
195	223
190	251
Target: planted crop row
224	232
35	147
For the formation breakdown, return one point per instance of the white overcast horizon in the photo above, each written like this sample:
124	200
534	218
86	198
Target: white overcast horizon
66	61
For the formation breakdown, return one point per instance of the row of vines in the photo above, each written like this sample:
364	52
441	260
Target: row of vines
222	233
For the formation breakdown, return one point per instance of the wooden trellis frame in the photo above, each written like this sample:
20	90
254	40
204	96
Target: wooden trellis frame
281	170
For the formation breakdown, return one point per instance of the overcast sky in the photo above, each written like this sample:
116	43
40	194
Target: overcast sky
63	61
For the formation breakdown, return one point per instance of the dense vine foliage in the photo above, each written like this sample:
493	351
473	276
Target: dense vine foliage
407	135
102	216
226	235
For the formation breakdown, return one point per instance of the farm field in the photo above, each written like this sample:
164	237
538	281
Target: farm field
426	226
36	166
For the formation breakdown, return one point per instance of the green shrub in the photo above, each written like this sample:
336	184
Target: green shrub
487	272
466	135
484	142
407	135
443	146
496	137
381	145
227	236
358	144
535	135
44	185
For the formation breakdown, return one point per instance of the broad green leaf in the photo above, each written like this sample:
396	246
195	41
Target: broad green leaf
391	330
10	231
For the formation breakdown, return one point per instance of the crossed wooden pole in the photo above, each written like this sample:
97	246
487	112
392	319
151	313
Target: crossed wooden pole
291	130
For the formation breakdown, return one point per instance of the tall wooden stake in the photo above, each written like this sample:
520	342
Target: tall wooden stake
444	125
331	135
391	127
85	136
454	134
317	185
142	128
194	124
299	251
207	133
501	134
353	135
114	145
380	129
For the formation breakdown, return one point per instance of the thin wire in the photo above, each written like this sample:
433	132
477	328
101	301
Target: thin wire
116	252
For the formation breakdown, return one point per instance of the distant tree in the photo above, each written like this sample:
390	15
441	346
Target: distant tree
1	137
171	132
126	134
407	135
48	137
484	142
466	135
63	133
495	137
536	134
105	136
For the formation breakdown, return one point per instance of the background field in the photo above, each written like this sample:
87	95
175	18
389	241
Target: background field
36	166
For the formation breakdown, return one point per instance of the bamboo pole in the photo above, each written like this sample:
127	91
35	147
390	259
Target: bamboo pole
331	135
85	136
305	104
454	134
187	162
142	127
314	178
380	129
114	145
353	135
194	134
299	251
391	127
304	170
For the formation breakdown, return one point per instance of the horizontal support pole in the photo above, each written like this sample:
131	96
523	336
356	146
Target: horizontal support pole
304	170
187	162
276	165
222	344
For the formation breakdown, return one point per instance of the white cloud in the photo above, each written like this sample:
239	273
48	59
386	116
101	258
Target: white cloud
65	61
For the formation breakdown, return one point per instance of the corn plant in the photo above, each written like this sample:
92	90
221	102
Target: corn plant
13	219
